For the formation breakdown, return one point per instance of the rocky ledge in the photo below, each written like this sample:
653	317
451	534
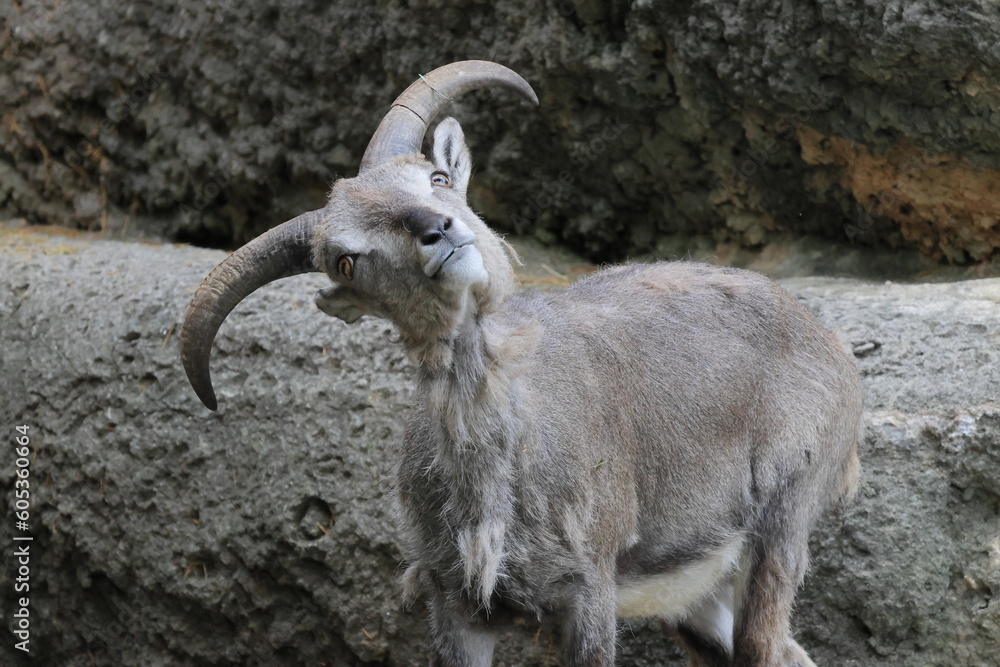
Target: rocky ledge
261	535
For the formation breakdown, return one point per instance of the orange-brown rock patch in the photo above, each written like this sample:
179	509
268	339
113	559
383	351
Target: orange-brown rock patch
945	205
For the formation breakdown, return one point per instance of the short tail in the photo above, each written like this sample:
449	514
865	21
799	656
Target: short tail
850	474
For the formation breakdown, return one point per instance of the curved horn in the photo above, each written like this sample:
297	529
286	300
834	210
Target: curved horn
281	252
403	128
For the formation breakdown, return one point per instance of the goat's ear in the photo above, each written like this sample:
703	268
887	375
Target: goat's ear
451	155
342	302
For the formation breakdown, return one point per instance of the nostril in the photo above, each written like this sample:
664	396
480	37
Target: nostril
427	226
430	238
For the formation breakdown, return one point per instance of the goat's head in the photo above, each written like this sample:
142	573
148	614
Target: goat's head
398	240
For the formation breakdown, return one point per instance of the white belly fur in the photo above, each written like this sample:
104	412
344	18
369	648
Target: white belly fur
672	596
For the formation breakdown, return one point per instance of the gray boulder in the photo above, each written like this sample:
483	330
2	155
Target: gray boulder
165	534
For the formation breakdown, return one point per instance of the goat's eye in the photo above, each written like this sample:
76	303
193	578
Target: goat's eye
440	178
345	266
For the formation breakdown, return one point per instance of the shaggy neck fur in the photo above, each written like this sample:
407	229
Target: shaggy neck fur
477	407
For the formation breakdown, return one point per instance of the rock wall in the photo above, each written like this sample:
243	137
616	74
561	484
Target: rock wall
210	121
261	535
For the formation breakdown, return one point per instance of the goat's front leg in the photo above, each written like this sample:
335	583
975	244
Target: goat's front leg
589	629
456	641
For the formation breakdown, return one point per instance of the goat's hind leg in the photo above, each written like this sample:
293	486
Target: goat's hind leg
456	641
589	628
773	568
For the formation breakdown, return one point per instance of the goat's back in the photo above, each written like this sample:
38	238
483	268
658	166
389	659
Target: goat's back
689	395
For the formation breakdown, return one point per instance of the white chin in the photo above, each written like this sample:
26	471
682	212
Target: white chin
464	269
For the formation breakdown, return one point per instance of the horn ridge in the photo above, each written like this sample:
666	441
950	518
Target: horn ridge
401	133
281	252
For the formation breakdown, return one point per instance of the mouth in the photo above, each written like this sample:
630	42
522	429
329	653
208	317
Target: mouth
433	268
